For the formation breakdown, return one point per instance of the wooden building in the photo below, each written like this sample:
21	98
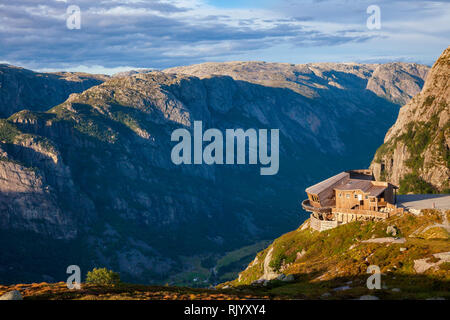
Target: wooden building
350	195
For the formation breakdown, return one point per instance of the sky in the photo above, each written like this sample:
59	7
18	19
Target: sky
118	35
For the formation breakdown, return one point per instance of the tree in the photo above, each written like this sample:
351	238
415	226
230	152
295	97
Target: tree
102	276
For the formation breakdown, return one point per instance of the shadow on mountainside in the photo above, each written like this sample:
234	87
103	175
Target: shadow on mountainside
141	196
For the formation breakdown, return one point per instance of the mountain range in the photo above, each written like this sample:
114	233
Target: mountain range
87	179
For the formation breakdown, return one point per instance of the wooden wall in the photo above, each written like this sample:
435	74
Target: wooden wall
346	199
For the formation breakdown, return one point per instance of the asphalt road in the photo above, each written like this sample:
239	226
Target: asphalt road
424	201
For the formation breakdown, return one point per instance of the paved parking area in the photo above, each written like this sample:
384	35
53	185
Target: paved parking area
424	201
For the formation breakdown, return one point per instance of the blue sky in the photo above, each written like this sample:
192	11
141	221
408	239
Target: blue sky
117	35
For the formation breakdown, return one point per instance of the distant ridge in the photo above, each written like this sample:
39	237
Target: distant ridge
25	89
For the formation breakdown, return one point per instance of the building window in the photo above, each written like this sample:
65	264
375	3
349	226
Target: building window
340	194
356	196
366	197
347	196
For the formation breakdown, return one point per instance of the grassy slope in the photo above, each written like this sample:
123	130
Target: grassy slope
226	267
335	257
330	259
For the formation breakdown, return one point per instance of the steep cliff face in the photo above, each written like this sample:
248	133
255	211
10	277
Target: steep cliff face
25	203
24	89
397	82
103	164
415	153
36	187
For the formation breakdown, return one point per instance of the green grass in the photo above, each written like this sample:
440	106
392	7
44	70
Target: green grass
236	255
419	136
413	183
8	131
338	255
429	101
383	150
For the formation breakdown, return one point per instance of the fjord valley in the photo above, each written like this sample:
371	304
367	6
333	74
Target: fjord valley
90	177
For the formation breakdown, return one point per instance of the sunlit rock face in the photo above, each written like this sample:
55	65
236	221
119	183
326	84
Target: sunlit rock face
415	153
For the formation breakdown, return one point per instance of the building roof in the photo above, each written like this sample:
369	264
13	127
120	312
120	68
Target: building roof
375	191
355	184
366	186
325	184
342	181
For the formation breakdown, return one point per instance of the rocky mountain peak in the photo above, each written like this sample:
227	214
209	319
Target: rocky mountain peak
415	153
397	82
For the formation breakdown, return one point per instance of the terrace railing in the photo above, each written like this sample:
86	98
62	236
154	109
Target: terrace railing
370	213
306	205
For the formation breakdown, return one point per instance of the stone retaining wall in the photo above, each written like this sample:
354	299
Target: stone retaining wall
321	225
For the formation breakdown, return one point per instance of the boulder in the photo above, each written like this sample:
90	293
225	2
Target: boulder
11	295
369	297
258	282
281	277
392	230
342	288
300	254
288	278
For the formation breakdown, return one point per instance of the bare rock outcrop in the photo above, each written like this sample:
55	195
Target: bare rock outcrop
26	203
415	153
397	82
12	295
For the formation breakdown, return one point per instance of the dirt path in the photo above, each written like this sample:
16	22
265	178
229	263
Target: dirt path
385	240
445	224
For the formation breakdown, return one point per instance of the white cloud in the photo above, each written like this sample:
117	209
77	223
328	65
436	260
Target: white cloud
166	33
93	69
